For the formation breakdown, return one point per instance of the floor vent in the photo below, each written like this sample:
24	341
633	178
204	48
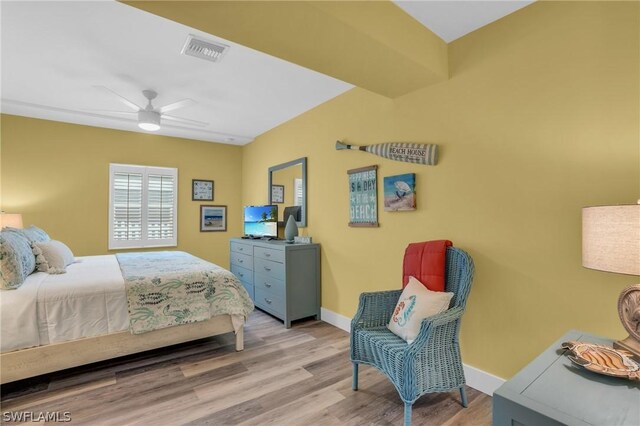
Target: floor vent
204	49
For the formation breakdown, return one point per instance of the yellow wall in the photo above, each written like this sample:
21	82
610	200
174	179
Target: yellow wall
539	118
57	176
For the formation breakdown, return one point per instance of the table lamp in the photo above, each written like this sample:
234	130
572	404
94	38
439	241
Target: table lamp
611	243
13	220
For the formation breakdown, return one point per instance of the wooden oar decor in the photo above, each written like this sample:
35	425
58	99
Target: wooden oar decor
417	153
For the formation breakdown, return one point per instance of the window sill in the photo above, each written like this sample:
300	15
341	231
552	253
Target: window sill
142	247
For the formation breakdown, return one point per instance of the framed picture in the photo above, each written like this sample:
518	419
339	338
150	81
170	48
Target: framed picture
400	192
213	218
363	197
277	193
201	190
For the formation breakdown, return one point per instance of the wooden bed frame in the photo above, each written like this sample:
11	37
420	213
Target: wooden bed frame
32	362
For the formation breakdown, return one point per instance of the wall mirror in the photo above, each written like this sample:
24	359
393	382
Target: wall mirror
288	190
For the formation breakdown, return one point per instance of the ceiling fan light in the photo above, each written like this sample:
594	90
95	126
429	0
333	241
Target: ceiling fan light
149	120
152	127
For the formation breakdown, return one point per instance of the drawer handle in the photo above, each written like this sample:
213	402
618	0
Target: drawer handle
242	275
269	301
267	255
240	249
240	260
267	285
267	269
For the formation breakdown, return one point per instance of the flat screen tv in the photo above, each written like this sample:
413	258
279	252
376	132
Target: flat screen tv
261	221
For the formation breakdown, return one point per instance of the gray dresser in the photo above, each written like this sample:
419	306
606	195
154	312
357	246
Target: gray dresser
282	279
553	391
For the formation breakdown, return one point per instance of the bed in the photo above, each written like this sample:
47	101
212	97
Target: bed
114	305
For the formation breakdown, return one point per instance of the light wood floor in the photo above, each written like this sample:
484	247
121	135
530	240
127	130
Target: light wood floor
300	376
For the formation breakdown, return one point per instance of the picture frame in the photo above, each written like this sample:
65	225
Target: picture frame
277	194
213	218
363	196
400	192
202	190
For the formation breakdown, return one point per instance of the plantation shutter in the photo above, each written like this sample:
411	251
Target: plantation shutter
127	206
160	216
297	190
298	195
142	207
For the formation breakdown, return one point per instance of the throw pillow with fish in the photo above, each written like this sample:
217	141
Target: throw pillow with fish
404	310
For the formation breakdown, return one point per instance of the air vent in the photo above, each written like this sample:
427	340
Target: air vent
204	49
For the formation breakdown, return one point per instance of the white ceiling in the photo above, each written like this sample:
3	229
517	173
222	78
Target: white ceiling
452	19
53	53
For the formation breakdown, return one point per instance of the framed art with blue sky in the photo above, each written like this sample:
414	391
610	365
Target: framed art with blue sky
400	192
213	218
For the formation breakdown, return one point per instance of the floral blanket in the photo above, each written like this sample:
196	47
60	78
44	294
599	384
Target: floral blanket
173	287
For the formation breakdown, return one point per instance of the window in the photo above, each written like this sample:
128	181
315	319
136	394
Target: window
297	192
298	195
143	207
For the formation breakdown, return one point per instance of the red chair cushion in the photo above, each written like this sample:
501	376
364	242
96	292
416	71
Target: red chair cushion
426	262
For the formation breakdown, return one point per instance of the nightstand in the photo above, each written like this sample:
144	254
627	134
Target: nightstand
551	390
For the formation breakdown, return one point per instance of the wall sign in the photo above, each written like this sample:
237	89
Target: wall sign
417	153
363	196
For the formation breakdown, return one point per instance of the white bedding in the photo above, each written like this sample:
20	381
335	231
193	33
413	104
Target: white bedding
89	300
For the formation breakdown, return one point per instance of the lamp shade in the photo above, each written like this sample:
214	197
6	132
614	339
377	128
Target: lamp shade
14	220
611	238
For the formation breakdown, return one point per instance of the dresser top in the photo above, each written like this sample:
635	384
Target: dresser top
275	244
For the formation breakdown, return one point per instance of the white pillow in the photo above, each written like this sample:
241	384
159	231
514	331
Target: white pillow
52	256
415	304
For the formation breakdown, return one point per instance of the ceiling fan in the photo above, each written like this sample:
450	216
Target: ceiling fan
149	118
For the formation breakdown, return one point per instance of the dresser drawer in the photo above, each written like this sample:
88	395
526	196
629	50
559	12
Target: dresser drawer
242	260
269	254
245	275
269	284
269	268
241	248
269	302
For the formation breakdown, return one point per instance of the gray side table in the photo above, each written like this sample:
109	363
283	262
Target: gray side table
551	390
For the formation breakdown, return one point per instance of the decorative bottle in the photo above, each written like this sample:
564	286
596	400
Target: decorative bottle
290	229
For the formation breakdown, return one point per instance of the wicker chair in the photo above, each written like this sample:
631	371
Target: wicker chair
432	362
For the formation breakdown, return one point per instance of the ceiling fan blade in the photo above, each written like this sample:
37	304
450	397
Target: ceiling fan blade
124	100
184	120
114	112
175	105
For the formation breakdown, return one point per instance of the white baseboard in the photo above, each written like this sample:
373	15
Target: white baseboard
481	380
336	320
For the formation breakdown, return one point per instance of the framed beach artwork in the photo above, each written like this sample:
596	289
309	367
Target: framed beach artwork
213	218
399	192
